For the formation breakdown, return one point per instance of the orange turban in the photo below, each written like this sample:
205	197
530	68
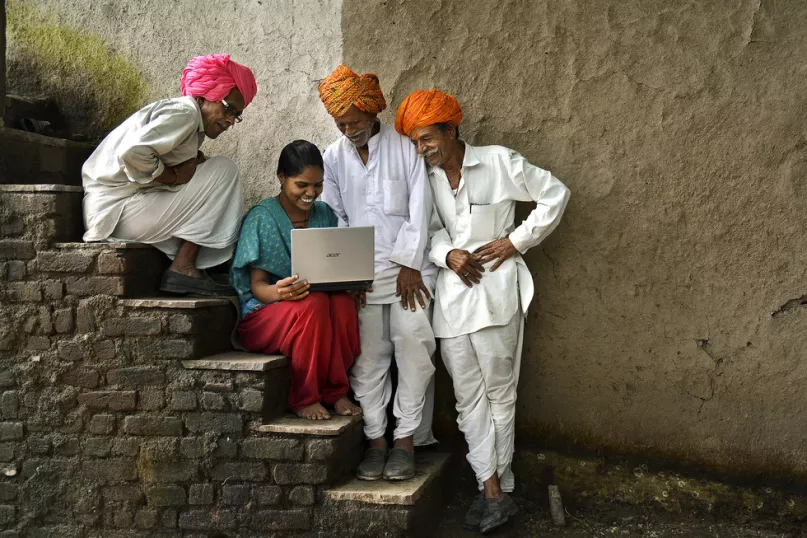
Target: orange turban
427	107
344	88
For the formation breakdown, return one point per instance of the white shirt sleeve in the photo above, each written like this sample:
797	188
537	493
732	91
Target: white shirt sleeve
550	195
331	194
140	153
441	241
413	237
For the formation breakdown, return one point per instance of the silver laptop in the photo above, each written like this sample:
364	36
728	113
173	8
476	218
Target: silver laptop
334	259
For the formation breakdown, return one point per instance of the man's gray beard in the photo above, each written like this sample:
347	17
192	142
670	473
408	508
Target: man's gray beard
365	138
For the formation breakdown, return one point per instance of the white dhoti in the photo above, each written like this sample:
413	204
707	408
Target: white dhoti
387	331
205	211
484	366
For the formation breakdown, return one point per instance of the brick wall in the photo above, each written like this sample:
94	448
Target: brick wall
103	432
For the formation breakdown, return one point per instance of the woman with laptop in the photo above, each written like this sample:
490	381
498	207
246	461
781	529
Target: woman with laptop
318	331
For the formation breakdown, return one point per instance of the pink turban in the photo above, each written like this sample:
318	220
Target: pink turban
214	76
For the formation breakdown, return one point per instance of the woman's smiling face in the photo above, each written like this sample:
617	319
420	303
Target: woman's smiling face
301	190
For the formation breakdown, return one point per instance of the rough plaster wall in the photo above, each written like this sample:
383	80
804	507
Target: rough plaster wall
288	44
679	127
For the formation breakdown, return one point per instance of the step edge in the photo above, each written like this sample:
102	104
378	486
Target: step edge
100	245
39	188
174	303
272	362
298	430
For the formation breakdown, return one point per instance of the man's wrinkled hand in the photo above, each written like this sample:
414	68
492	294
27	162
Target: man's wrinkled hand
361	296
185	171
466	265
409	287
499	250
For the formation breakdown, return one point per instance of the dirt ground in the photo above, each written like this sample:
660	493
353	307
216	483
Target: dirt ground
534	520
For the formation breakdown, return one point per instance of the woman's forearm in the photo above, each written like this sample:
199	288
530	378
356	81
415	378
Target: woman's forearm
265	292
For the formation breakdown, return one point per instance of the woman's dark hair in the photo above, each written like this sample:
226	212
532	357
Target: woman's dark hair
297	156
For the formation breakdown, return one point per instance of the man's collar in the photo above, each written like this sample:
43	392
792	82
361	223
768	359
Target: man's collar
470	158
198	113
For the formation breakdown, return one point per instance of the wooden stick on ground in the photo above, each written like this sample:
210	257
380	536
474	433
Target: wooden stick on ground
556	507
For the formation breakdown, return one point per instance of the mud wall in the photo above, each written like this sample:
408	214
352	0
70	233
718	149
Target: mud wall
102	62
668	318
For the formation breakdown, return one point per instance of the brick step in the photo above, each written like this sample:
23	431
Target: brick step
33	216
273	369
386	508
33	158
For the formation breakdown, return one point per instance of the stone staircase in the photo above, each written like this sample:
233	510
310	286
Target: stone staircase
126	413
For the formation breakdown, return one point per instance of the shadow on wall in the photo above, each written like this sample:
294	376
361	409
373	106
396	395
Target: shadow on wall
95	87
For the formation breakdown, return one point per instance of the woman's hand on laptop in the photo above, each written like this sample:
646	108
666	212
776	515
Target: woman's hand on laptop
292	289
410	286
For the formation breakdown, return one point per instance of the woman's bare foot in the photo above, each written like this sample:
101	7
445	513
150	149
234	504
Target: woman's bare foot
314	412
346	408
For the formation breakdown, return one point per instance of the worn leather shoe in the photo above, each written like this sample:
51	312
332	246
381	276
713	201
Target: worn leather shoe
372	466
497	513
400	465
474	515
174	282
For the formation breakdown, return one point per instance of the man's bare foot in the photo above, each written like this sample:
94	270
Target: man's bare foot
314	412
346	408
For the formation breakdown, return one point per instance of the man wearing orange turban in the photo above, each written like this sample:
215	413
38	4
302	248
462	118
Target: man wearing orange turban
483	286
148	182
373	177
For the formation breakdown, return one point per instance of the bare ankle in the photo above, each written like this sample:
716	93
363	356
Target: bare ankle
407	443
380	442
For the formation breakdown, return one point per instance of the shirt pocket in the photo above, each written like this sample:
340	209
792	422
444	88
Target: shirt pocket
483	222
396	197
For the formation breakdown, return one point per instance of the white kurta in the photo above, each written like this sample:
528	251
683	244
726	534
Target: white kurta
482	328
123	202
494	178
391	193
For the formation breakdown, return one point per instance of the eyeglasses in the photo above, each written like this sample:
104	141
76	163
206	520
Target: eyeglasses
230	111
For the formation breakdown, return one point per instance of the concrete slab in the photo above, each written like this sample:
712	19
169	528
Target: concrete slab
101	245
238	361
172	302
292	424
403	492
40	188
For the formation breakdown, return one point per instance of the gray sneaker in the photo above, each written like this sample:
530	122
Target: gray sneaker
474	515
372	466
497	513
400	465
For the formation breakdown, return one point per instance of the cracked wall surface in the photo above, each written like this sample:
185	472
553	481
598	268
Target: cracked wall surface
287	44
679	127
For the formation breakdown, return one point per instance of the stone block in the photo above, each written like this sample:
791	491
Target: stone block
216	423
146	425
135	348
151	400
70	351
237	470
15	249
182	400
98	447
302	495
38	343
104	350
225	386
299	473
200	494
80	377
126	446
85	319
235	494
123	493
281	520
111	263
121	400
65	262
38	444
8	514
226	448
192	447
11	431
206	520
24	292
160	448
182	324
146	518
8	491
101	424
63	320
251	400
53	289
136	376
110	470
211	401
123	518
66	446
7	379
169	471
132	326
16	270
87	286
272	449
168	518
321	449
267	495
10	404
168	495
7	452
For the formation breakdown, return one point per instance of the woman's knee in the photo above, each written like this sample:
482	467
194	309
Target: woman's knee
317	305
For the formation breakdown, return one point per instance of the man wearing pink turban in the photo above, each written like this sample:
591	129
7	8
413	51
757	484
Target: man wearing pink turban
148	182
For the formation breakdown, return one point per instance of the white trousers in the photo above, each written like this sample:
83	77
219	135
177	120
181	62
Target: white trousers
387	331
484	368
206	211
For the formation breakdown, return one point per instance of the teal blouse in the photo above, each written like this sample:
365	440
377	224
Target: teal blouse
265	243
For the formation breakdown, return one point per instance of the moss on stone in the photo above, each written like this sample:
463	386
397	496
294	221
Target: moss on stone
67	56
